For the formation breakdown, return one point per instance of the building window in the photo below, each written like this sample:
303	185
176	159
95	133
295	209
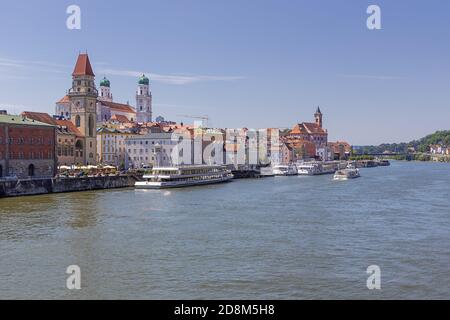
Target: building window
31	170
78	121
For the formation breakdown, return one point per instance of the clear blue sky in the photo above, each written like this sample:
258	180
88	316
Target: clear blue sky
244	63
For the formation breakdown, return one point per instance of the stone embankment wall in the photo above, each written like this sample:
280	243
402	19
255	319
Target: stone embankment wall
23	187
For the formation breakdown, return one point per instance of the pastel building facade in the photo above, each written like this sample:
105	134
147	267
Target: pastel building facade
111	146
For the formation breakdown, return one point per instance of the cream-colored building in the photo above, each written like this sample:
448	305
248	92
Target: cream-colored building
111	146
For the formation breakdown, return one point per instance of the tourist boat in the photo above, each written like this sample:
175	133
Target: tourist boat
346	174
184	176
285	170
309	169
315	167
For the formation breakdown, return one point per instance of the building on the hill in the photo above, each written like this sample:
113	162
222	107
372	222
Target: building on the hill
438	149
27	148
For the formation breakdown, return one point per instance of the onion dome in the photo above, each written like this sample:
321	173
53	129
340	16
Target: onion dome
105	82
144	80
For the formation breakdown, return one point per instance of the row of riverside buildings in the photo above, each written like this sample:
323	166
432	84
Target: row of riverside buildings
90	128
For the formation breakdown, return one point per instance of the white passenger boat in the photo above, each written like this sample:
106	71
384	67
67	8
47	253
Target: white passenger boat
308	169
346	174
184	176
315	168
285	170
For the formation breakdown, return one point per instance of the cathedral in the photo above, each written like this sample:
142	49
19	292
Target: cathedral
108	109
85	107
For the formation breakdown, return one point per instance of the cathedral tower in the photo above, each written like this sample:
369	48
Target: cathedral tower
83	99
318	117
143	101
105	90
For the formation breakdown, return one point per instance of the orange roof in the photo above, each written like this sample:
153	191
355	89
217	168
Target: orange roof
298	129
39	116
71	128
120	118
83	66
119	106
313	128
64	99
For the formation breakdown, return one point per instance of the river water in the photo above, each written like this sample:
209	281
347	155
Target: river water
271	238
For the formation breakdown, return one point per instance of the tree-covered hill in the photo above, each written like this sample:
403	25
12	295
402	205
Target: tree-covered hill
421	145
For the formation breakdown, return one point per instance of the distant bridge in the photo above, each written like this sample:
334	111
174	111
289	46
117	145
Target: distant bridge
383	154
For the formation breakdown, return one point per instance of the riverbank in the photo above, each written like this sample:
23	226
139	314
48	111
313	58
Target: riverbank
27	187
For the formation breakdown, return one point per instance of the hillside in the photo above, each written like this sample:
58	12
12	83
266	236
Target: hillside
421	145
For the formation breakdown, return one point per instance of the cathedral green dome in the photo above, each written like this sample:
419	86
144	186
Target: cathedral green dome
144	80
105	82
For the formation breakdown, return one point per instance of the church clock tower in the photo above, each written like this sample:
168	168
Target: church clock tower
83	100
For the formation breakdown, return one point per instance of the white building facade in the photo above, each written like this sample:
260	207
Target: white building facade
152	149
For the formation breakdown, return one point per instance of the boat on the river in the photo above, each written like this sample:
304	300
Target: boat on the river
317	167
285	170
346	174
383	163
309	169
184	176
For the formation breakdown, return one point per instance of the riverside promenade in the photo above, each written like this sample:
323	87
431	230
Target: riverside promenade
36	186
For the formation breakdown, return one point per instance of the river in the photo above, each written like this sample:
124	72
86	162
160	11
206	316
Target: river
272	238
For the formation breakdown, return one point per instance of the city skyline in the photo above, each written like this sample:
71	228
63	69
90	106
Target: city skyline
232	63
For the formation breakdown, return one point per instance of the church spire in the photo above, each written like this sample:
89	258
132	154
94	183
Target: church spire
318	117
83	66
318	110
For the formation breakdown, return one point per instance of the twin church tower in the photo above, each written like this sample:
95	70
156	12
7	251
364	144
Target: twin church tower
86	106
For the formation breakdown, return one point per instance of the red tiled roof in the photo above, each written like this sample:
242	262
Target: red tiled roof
71	128
64	99
119	106
298	129
313	128
39	116
83	66
120	118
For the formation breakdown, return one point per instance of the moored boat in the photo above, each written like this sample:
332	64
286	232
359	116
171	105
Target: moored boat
184	176
312	168
383	163
285	170
309	169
